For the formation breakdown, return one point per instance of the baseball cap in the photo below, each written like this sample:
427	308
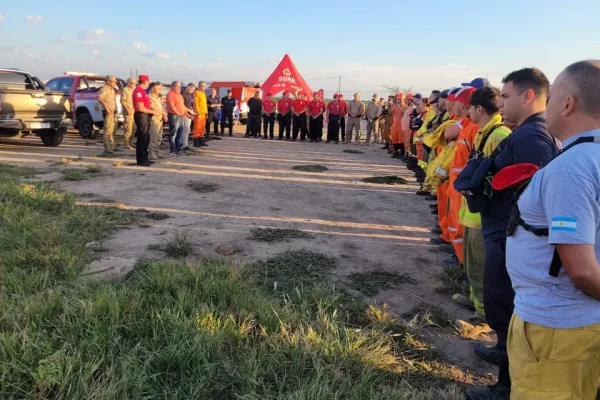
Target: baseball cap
513	176
418	96
144	78
111	78
131	80
410	96
444	94
228	90
452	94
464	95
335	95
341	96
269	94
286	92
399	96
478	83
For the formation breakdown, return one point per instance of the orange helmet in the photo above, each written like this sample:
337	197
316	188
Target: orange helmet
410	96
400	96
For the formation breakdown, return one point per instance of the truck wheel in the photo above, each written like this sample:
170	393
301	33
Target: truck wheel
52	137
86	127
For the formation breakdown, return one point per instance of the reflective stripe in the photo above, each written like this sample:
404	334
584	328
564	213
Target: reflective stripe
457	241
451	229
459	170
463	141
441	171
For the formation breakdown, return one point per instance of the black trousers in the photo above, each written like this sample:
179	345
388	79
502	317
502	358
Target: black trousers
227	116
253	128
343	127
142	122
212	119
269	124
498	297
316	127
333	128
285	122
299	126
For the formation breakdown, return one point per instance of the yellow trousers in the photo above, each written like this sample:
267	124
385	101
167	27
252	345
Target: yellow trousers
553	364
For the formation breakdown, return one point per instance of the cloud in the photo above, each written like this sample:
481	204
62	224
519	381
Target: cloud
133	32
95	52
34	19
66	40
92	35
141	47
162	55
184	53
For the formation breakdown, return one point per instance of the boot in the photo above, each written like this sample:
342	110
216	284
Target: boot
202	143
152	156
498	391
387	146
196	142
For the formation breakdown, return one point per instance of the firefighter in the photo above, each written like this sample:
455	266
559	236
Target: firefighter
128	111
201	110
343	114
156	122
397	113
214	104
316	109
268	114
334	113
107	99
143	113
284	106
299	108
356	110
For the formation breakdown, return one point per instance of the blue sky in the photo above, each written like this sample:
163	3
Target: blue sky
429	45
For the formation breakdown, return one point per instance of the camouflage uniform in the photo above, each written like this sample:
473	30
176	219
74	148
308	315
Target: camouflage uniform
156	128
128	123
108	96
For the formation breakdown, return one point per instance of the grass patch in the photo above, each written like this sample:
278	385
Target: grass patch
372	282
93	169
117	163
11	171
386	180
204	187
310	168
178	244
351	151
204	330
278	235
431	316
109	155
74	175
159	216
453	281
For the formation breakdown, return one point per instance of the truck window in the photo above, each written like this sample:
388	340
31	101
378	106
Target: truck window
95	84
15	80
53	84
65	85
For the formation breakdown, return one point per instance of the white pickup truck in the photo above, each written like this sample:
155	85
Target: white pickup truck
82	88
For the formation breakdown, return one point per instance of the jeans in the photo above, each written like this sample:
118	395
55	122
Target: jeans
185	135
175	131
142	121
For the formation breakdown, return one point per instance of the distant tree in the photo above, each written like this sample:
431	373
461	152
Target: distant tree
397	89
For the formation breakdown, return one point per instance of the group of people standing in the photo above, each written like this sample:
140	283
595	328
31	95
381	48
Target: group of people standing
520	218
304	119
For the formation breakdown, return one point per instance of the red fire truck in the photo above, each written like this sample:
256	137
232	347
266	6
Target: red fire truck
241	91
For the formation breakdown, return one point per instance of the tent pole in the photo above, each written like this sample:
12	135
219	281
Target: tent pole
340	84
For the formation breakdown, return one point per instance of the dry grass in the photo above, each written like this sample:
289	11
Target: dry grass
370	283
386	180
310	168
278	235
204	187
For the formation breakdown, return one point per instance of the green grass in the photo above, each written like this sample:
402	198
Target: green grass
278	235
204	187
310	168
370	283
186	330
454	281
93	169
386	180
178	244
74	175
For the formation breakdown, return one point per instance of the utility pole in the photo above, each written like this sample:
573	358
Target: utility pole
340	84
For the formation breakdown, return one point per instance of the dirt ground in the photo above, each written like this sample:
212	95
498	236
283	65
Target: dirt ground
363	226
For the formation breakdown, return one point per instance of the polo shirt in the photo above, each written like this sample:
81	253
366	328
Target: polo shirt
175	103
254	106
212	101
140	96
228	104
269	106
334	108
315	107
529	143
299	105
284	105
564	196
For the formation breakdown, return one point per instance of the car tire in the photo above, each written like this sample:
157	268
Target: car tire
86	127
52	137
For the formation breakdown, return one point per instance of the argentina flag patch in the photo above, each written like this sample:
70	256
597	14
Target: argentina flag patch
565	224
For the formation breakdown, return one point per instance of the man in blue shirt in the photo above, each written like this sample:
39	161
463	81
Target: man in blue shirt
554	337
523	102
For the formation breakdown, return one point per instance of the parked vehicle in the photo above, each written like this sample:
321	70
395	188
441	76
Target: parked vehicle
82	88
27	107
241	91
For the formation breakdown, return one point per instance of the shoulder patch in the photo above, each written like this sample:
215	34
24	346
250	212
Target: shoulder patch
566	224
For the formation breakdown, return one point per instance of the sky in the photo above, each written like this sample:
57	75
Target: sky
425	45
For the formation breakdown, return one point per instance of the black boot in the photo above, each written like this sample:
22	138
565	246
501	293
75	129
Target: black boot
196	142
499	391
202	143
387	146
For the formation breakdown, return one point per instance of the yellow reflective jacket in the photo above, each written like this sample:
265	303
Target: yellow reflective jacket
466	217
423	130
437	137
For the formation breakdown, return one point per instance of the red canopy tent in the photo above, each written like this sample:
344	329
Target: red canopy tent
285	77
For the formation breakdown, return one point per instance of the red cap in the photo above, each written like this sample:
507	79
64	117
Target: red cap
269	94
464	95
341	96
286	92
335	95
513	175
410	96
315	93
144	78
400	96
451	97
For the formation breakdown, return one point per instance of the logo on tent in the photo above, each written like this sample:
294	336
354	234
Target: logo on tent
287	72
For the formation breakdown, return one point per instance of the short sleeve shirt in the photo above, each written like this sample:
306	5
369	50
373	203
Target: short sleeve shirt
565	197
269	106
140	96
334	108
212	101
127	98
284	105
156	105
316	107
228	104
107	95
299	105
